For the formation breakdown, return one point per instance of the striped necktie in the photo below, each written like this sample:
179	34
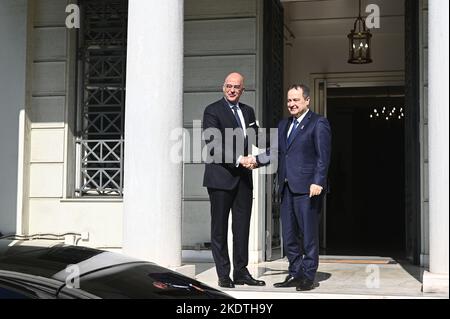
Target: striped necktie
236	115
291	135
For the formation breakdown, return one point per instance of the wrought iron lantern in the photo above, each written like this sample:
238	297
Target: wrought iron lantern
359	42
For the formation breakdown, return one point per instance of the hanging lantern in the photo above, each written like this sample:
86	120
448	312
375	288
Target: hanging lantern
359	42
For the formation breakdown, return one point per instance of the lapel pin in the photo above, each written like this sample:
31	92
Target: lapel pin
302	127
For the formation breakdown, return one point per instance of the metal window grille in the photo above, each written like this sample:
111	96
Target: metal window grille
102	45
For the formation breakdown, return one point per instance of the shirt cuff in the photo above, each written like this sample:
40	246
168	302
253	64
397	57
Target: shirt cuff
238	162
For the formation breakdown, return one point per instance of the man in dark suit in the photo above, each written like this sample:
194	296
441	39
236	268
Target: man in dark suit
304	148
229	183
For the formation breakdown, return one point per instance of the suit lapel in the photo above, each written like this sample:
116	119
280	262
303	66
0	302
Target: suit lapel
245	114
284	132
229	114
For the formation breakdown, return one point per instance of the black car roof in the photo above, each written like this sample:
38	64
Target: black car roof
101	274
50	260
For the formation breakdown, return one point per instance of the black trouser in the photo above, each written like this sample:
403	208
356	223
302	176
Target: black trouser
239	200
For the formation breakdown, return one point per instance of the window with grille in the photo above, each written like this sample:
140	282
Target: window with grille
102	45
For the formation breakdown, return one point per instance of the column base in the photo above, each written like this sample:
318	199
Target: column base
437	283
196	256
255	256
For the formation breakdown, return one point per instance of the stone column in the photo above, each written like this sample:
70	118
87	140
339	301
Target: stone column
436	280
154	95
13	82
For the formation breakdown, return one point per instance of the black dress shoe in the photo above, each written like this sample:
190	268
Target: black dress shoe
226	282
305	284
248	280
290	281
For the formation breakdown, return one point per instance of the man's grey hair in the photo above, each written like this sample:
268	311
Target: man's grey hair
305	89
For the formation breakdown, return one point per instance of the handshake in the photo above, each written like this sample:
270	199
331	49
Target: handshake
248	162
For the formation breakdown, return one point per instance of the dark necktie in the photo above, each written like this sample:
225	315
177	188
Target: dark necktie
236	115
291	135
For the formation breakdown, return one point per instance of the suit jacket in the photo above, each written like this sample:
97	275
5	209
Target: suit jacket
306	159
223	150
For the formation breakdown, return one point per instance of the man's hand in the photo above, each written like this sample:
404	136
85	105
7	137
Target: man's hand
249	162
315	190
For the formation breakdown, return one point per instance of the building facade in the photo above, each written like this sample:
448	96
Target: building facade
93	116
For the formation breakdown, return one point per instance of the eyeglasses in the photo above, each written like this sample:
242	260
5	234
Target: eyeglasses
230	86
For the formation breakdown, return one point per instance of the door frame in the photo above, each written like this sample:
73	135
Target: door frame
272	69
320	82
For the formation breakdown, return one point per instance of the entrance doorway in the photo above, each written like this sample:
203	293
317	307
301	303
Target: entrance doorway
365	207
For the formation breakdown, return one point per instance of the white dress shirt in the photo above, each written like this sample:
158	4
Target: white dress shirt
298	120
241	117
244	129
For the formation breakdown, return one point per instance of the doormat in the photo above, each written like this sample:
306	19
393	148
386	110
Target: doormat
357	261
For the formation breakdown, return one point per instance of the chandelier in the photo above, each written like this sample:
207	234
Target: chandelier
387	113
359	41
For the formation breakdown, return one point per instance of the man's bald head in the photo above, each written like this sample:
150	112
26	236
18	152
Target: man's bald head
234	76
233	87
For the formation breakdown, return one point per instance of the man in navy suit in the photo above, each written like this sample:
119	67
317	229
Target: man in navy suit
304	148
229	182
